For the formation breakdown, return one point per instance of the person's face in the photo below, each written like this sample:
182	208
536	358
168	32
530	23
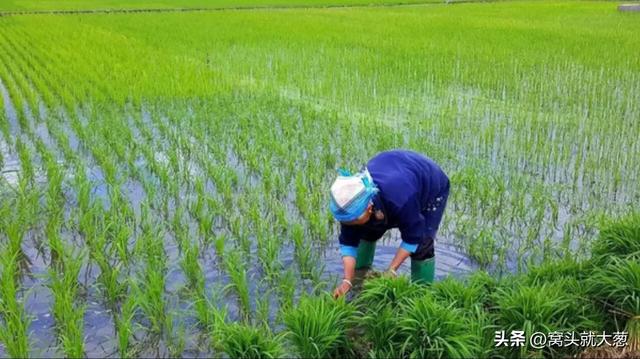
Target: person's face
364	218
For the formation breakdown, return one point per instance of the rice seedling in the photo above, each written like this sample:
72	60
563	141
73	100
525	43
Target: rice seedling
150	291
569	270
124	326
318	327
69	314
458	293
388	292
543	308
438	331
174	339
234	265
617	285
192	268
245	341
286	290
619	238
303	254
14	328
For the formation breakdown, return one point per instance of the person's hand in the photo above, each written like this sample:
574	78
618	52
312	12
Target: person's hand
342	289
390	273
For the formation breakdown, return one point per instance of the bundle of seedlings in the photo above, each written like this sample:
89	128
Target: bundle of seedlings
546	307
471	297
382	302
247	341
318	327
435	330
619	238
554	270
617	287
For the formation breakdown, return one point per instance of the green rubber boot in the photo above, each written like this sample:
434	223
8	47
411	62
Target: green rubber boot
366	252
423	272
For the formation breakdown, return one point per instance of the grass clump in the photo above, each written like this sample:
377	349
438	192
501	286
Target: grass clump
317	327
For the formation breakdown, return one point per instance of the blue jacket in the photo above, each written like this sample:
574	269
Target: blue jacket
408	182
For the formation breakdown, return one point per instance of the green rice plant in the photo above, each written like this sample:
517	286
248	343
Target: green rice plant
192	269
218	242
617	285
269	247
458	293
543	308
318	326
437	331
303	253
381	302
472	298
174	339
286	290
246	341
619	238
209	316
150	293
234	265
384	291
568	270
68	313
381	333
124	326
14	329
109	281
482	279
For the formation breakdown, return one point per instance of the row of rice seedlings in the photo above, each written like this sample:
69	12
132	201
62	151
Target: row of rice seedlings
23	83
234	265
17	223
5	128
302	251
14	327
67	310
124	325
8	79
209	317
150	287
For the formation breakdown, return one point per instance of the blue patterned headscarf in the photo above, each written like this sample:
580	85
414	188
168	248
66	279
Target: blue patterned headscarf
351	194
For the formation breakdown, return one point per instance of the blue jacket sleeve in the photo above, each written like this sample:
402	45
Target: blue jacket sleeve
411	224
349	240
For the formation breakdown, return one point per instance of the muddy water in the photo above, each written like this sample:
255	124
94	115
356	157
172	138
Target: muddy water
450	261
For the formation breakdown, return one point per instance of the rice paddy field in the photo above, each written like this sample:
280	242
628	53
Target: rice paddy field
164	176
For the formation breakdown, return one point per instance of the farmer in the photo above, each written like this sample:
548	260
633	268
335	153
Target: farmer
398	188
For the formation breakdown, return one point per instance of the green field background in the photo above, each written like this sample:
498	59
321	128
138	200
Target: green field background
35	5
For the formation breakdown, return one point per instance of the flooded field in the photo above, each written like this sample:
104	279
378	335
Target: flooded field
164	176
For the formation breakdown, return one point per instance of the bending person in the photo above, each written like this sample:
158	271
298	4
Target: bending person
397	189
